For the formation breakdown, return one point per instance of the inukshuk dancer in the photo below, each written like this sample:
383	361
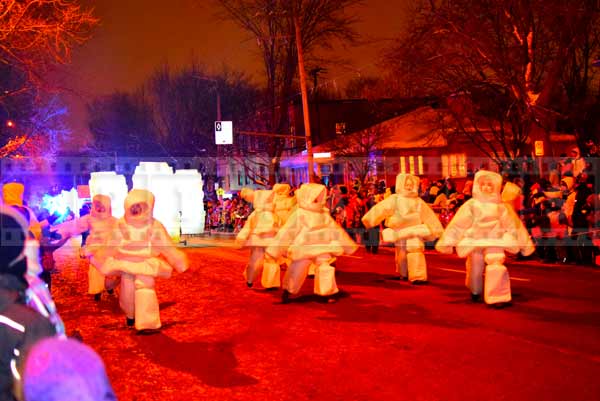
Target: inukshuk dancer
257	234
140	250
310	235
409	221
484	228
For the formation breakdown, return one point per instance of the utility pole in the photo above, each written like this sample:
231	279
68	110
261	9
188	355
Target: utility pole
309	152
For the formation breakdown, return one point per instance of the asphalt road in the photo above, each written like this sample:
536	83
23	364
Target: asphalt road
382	340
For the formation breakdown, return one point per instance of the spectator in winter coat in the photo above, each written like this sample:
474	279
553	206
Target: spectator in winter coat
578	162
20	326
12	195
371	235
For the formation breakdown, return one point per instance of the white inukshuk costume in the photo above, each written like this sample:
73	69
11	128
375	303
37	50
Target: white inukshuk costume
101	225
310	235
140	250
482	229
409	221
284	206
257	234
284	202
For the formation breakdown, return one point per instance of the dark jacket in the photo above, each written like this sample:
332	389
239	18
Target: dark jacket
20	328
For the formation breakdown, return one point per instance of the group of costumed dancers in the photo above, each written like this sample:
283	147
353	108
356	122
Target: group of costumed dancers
299	233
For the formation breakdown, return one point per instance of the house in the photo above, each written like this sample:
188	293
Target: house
422	141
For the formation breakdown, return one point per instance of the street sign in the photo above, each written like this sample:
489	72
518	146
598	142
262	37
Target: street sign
223	132
539	148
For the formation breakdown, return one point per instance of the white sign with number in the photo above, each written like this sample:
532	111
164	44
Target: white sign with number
223	132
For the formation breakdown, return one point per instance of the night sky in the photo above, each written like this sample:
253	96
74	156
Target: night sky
137	36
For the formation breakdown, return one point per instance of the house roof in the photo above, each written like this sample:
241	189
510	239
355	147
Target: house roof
419	128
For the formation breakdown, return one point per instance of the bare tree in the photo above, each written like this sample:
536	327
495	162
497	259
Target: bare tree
501	61
36	35
187	103
271	23
359	150
122	124
31	124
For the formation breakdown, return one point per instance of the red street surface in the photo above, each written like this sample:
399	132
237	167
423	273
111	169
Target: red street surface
382	340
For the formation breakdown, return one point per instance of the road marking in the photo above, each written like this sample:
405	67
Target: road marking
462	271
450	270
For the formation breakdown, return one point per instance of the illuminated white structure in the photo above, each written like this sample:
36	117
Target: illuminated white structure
158	178
188	186
112	185
179	197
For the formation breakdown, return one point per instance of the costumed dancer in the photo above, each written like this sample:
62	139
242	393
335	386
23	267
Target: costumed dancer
140	249
284	202
257	234
284	206
484	228
310	235
100	224
409	221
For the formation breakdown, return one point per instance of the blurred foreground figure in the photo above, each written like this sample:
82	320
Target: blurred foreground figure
141	250
284	202
482	230
310	235
20	326
257	234
100	224
410	222
61	370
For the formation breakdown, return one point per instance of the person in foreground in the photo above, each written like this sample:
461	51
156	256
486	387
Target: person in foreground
63	369
20	326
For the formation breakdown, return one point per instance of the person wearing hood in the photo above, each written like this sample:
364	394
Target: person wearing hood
567	187
310	235
409	221
257	234
482	230
20	326
12	195
140	249
579	162
100	224
63	369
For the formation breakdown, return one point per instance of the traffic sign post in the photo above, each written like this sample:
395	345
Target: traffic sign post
223	132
